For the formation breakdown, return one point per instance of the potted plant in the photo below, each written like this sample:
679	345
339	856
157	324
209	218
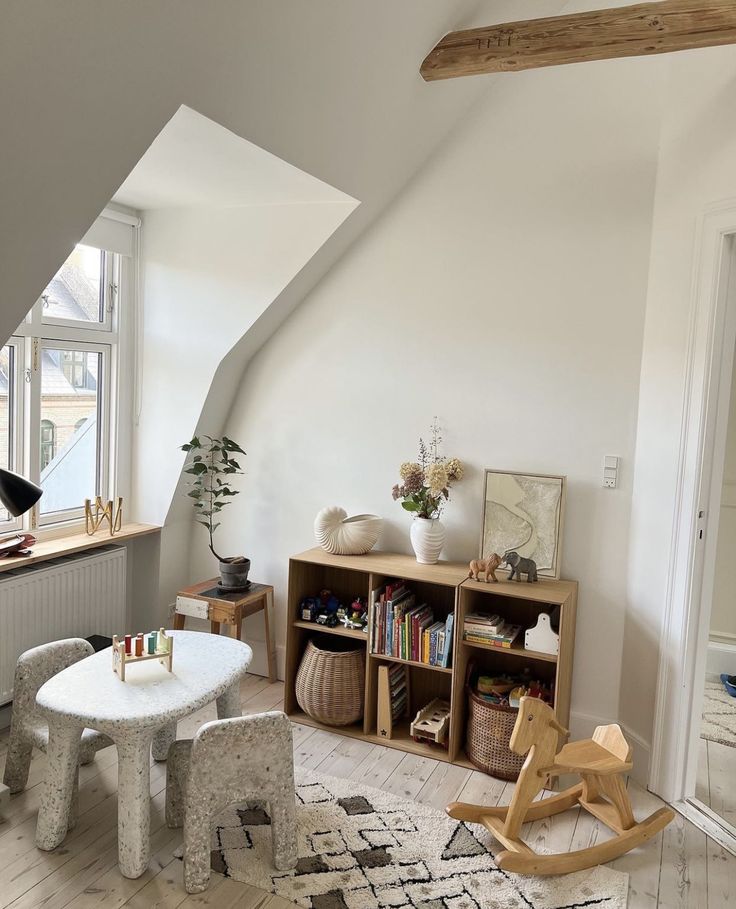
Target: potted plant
425	487
211	465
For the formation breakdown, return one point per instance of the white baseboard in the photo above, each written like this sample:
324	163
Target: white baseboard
721	658
582	726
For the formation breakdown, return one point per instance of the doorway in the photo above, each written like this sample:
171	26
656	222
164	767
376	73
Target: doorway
691	756
715	793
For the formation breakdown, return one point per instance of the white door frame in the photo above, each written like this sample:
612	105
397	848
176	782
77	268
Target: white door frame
686	620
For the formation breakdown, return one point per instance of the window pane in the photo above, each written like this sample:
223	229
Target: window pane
76	291
69	448
7	393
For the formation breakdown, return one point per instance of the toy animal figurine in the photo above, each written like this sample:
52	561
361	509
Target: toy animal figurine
520	566
485	566
602	764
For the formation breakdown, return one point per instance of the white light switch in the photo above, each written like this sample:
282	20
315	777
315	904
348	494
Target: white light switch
610	471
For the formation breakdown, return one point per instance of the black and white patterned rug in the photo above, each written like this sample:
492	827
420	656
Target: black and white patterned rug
361	848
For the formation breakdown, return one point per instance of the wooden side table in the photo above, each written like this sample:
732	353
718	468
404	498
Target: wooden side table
206	601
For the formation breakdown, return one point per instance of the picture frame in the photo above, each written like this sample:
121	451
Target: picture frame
525	513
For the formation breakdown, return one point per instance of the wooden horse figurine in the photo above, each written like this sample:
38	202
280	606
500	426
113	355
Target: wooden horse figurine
601	763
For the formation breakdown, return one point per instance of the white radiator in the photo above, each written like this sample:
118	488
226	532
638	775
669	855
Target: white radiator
70	597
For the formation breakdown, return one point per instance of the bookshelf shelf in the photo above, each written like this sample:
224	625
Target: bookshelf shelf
338	630
393	659
446	588
516	649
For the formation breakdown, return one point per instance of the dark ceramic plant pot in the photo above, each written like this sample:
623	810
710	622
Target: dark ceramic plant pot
234	575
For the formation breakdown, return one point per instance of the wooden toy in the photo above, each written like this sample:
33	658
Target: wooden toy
485	566
601	762
432	723
520	566
160	646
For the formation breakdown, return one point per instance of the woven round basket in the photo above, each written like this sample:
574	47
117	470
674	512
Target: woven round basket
330	686
488	734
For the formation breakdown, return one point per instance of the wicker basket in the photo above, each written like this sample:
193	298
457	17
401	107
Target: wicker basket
330	686
489	731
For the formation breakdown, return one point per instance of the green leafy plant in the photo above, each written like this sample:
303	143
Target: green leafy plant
211	465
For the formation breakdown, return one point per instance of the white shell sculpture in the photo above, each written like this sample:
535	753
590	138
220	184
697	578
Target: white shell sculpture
338	534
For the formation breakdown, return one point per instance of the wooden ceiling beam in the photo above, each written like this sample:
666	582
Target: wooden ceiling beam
627	31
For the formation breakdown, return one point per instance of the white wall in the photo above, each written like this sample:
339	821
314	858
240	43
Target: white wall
697	166
503	291
209	273
321	85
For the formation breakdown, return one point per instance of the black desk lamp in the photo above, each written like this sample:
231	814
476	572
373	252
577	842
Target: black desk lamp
18	496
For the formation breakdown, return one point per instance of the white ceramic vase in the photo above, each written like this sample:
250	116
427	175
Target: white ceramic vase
338	534
427	539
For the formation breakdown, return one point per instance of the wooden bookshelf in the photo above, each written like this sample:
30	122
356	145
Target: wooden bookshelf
446	588
338	630
392	659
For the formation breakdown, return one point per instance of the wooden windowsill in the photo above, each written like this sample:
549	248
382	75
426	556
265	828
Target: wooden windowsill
78	542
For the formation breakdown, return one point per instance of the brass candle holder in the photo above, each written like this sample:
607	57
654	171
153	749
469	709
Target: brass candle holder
97	513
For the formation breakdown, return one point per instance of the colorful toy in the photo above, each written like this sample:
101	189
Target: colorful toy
488	684
357	616
308	609
326	609
159	645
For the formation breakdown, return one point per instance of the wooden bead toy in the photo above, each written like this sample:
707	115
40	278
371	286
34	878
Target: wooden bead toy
159	646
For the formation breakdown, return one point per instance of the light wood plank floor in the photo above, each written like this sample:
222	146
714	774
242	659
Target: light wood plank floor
716	780
680	868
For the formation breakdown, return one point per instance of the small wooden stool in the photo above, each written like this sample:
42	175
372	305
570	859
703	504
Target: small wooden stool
207	601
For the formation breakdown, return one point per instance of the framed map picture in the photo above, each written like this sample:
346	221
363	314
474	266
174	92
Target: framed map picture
524	513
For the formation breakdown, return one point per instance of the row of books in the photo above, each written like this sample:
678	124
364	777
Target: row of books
479	628
404	629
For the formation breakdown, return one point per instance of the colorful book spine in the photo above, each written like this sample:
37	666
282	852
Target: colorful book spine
447	652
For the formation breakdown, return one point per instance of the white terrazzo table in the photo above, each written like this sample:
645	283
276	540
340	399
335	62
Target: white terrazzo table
133	713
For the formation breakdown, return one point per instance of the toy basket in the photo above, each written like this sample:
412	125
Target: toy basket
488	734
330	684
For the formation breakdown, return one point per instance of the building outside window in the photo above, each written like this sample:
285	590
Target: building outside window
48	443
74	366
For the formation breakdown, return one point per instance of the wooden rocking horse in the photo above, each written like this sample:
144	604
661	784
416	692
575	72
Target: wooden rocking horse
601	762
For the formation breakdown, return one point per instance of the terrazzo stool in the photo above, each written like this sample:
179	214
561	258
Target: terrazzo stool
230	761
28	727
4	800
90	694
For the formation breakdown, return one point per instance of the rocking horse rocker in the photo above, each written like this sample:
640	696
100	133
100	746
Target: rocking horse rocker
601	763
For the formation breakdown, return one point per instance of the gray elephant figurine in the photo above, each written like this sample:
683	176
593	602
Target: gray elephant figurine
520	566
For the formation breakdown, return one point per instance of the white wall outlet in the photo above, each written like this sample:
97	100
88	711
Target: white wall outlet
610	472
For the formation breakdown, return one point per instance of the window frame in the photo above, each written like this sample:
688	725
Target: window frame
38	332
108	291
104	391
15	435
